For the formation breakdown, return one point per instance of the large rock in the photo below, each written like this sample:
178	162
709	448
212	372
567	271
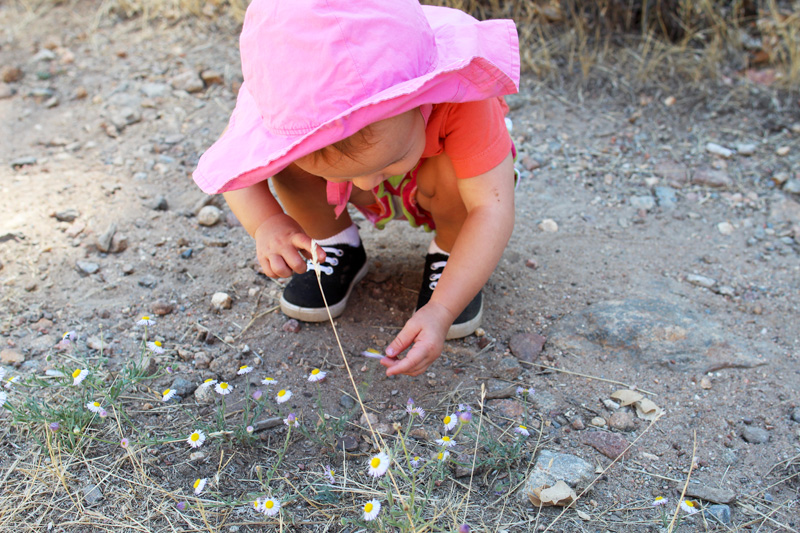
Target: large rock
551	467
649	330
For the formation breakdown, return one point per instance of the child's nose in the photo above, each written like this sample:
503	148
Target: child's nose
368	182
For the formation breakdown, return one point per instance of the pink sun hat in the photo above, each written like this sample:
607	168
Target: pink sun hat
317	71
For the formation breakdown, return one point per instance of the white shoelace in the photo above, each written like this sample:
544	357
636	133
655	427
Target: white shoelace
436	275
331	255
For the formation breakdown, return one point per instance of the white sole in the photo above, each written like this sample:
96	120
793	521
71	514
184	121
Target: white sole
457	331
311	314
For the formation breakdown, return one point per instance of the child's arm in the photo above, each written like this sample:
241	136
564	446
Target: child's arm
278	237
489	199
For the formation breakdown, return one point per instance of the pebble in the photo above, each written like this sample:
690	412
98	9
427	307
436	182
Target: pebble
782	151
11	357
792	186
755	435
720	513
622	421
725	228
611	445
291	326
348	443
205	395
701	281
373	419
119	243
187	81
508	408
5	91
159	203
183	387
611	405
666	197
719	150
161	307
532	264
507	368
197	456
148	282
796	414
154	90
209	215
578	424
92	493
551	467
87	268
187	253
712	178
211	77
598	421
548	225
643	202
10	74
23	161
103	240
527	346
346	401
710	494
221	300
124	116
746	149
67	215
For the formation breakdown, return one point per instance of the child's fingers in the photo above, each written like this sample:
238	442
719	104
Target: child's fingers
303	242
403	339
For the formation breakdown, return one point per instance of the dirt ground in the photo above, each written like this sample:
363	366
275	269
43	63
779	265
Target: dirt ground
104	126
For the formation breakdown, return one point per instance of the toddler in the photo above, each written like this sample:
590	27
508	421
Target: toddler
395	108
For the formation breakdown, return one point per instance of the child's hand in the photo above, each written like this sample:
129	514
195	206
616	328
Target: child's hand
279	242
426	329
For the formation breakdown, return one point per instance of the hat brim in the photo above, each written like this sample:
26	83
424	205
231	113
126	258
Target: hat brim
476	60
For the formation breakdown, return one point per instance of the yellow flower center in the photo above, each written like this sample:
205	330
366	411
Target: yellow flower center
269	379
269	504
523	427
416	457
255	504
659	498
440	456
376	462
96	404
445	439
282	392
223	386
242	367
209	380
447	420
158	343
195	437
145	318
368	508
315	372
166	392
197	483
690	503
76	373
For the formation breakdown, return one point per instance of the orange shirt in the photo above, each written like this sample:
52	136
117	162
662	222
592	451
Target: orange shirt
472	134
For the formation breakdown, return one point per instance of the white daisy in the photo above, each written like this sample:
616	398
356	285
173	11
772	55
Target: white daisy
446	441
145	321
522	430
199	485
450	421
291	420
659	501
689	506
244	369
258	505
196	439
156	347
317	375
416	461
223	388
371	510
2	373
329	473
168	394
442	456
79	375
378	465
269	381
94	407
208	383
283	396
69	337
3	398
11	381
271	506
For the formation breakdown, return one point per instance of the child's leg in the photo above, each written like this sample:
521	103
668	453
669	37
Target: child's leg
304	198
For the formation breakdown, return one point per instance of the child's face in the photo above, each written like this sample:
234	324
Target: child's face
395	145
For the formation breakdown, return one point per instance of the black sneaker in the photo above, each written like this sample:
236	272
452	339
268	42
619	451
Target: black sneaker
470	318
344	266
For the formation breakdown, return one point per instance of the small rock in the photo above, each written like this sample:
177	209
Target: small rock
347	402
508	408
551	467
746	149
103	241
161	307
209	215
527	346
373	419
598	421
507	368
792	186
782	151
197	456
226	366
124	116
622	421
643	202
23	161
675	174
148	282
86	268
11	357
159	203
710	494
577	424
348	443
97	343
10	74
205	395
548	225
75	229
183	387
725	228
187	81
796	414
421	434
221	300
267	423
705	383
155	90
92	494
5	91
755	435
701	281
666	197
611	445
720	513
67	215
718	150
291	326
712	178
211	77
532	264
119	243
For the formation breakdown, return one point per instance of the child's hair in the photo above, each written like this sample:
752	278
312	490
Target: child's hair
348	147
